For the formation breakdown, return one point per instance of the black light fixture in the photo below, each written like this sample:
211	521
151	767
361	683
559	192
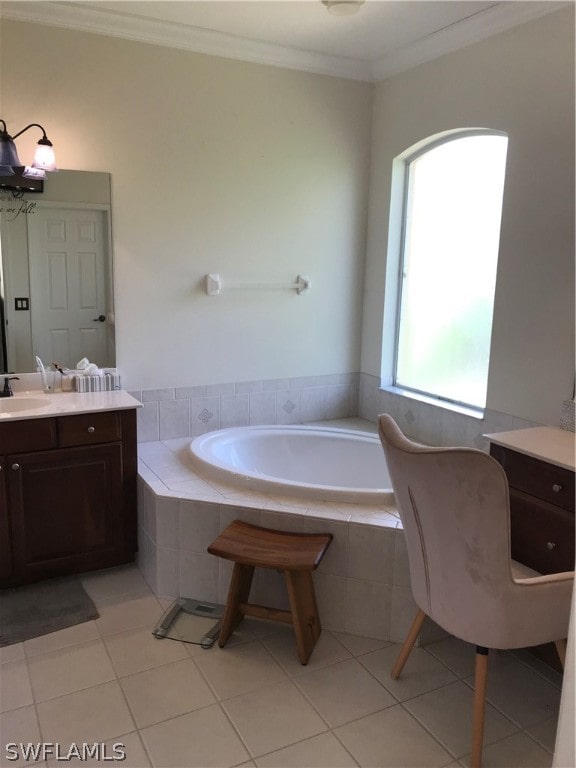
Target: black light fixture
10	165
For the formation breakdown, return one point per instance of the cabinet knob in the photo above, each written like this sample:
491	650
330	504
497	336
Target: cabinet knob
550	545
91	429
556	487
15	466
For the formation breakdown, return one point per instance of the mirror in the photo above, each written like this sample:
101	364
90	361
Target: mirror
56	286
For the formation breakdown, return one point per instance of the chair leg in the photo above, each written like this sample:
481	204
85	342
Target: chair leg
408	644
480	681
561	649
238	593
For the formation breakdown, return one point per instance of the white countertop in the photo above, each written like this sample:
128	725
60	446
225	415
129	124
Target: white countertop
65	404
551	444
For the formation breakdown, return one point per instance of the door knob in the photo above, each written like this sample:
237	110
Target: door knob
100	319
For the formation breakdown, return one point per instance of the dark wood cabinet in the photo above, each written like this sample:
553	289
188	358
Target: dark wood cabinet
541	511
541	519
5	534
68	496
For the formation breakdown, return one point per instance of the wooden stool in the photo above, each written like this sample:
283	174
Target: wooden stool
296	555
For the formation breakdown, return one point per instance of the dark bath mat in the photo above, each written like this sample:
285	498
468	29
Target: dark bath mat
37	609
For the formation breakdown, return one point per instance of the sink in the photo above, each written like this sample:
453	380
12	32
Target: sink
17	404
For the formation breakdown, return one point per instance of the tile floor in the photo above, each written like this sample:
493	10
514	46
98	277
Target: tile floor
252	704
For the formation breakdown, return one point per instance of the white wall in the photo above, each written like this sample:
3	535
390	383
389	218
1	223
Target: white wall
216	165
521	82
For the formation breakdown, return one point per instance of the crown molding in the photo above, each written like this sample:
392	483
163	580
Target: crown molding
498	18
170	34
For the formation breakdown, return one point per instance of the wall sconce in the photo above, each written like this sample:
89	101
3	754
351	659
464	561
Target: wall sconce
343	7
10	165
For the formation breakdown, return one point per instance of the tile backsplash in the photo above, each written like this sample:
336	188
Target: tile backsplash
189	411
433	424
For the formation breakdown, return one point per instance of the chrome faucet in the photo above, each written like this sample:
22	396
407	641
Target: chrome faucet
7	391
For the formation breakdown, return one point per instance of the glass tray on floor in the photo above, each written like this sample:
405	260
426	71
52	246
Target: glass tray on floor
190	621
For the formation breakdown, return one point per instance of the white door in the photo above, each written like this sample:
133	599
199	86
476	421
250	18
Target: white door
67	252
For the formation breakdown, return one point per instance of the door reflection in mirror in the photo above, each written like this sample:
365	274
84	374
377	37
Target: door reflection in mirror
57	269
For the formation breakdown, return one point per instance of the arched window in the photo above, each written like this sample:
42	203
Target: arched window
449	252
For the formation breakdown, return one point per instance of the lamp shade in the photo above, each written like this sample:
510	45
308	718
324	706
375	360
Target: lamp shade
8	155
44	157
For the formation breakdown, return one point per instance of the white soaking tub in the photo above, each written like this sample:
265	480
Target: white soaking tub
309	462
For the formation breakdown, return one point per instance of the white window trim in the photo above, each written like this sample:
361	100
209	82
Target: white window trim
394	261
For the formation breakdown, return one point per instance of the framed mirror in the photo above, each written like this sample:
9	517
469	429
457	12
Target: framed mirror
56	273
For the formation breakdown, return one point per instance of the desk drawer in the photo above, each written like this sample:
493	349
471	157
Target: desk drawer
548	482
89	429
542	534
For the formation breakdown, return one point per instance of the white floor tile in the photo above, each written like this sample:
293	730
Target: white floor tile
456	654
13	652
79	633
69	669
123	613
344	692
545	733
447	714
115	582
18	726
237	669
517	750
137	649
323	751
520	693
200	739
273	717
326	651
165	692
358	645
392	739
339	710
15	687
92	715
422	672
128	751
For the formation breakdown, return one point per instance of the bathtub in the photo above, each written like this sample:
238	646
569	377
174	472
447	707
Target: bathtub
321	463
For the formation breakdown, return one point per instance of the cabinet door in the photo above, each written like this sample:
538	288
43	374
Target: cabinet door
67	510
5	539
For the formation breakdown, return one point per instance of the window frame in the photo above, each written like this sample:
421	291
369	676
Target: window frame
406	158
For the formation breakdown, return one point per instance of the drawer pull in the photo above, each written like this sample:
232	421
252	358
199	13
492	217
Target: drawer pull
550	545
15	466
91	429
556	487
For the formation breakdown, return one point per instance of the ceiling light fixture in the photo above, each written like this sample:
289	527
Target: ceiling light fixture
10	165
343	7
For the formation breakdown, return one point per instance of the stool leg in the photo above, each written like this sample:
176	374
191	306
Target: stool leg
237	593
304	611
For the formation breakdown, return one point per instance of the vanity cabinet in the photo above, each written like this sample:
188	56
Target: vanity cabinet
541	511
68	495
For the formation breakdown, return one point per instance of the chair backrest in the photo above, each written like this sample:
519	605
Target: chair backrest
454	506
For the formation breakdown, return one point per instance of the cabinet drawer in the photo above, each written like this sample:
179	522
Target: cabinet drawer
537	478
28	435
89	428
542	534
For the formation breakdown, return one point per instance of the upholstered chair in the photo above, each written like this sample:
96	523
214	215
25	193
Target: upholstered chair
454	507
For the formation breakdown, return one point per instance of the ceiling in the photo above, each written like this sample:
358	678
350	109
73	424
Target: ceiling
385	36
